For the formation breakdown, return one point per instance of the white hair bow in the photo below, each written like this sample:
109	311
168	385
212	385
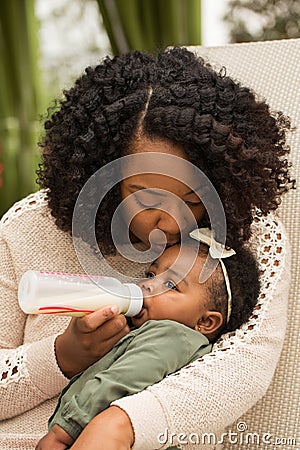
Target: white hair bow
216	251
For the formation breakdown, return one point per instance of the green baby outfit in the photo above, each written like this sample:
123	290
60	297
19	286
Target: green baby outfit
141	358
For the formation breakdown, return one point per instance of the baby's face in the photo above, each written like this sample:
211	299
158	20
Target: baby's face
167	295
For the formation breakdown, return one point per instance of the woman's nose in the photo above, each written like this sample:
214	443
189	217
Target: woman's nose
168	224
172	221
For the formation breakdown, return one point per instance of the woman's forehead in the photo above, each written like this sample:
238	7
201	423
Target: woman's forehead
154	182
156	145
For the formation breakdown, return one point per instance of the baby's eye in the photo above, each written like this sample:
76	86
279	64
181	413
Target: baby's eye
150	274
171	285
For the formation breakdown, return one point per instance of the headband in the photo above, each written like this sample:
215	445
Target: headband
216	251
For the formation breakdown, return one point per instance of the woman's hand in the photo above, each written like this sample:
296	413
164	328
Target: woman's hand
56	439
109	430
88	338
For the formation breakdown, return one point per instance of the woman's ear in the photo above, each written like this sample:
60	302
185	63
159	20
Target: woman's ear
209	323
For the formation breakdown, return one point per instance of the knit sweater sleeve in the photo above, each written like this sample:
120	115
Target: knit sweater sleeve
217	389
22	367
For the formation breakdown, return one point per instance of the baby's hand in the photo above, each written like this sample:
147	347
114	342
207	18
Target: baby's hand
56	439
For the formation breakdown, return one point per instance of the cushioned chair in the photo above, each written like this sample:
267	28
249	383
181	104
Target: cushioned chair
272	70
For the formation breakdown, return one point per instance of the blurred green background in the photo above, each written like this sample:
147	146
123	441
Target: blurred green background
45	45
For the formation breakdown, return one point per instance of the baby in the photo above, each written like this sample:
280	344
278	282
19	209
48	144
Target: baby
178	323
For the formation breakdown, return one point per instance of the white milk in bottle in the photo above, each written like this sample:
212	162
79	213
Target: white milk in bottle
76	294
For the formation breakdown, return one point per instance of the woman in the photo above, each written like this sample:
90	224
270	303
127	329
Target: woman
135	104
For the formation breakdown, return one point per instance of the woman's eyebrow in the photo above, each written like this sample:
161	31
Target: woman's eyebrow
194	191
137	187
160	192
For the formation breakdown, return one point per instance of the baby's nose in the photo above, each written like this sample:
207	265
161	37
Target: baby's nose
149	286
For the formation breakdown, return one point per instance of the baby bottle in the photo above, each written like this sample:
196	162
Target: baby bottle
76	294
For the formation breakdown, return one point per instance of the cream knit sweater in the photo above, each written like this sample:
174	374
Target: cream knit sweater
205	397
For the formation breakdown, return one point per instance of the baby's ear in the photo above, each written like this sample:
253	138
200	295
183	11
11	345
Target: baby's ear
209	323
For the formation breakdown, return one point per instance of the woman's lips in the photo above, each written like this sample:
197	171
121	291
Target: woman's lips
158	248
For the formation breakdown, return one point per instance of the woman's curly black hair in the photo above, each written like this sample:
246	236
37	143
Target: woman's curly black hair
232	137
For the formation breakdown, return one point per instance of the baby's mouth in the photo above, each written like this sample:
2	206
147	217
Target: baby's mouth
140	314
142	311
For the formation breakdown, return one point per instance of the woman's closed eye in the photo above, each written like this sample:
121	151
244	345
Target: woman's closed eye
191	204
152	205
147	201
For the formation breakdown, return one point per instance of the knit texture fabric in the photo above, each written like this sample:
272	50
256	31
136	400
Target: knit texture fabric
271	69
30	378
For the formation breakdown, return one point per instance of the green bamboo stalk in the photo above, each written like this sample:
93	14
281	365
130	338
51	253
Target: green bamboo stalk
193	23
29	106
8	126
19	109
131	18
113	26
151	24
10	140
169	15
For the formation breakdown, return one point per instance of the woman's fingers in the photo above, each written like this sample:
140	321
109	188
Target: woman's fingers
103	316
89	338
95	340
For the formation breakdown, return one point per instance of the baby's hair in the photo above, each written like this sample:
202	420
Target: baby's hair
177	97
243	275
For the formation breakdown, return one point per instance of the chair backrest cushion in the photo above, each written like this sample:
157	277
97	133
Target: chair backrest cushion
272	70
